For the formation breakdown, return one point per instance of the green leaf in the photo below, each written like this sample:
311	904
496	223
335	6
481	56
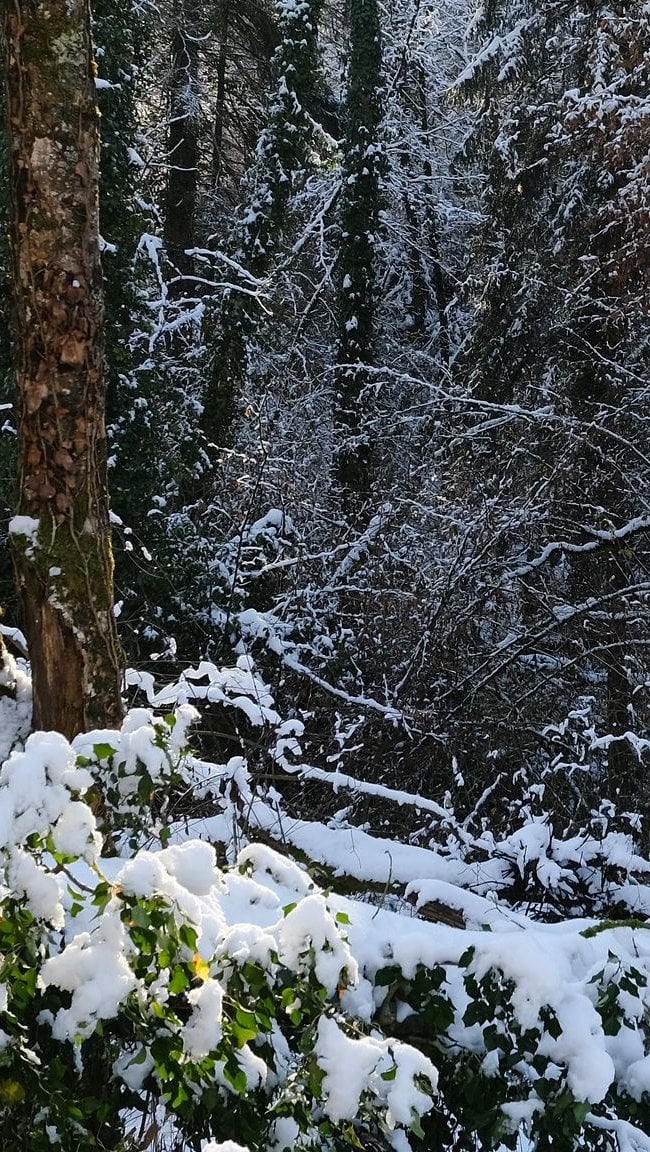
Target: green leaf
236	1078
342	918
387	976
245	1019
11	1093
179	980
188	936
551	1023
242	1035
145	787
416	1126
102	894
350	1137
475	1013
289	908
182	1095
103	751
580	1110
140	916
315	1078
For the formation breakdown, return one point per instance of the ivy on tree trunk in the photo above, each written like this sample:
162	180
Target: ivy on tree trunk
61	536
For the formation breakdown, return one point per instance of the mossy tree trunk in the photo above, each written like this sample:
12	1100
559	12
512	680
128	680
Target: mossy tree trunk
61	537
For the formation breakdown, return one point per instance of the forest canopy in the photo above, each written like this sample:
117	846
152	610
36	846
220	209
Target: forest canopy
324	545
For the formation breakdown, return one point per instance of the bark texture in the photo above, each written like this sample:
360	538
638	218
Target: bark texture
61	537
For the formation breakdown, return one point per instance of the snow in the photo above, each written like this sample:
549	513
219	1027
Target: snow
181	875
202	1032
95	969
132	1069
24	526
224	1146
37	797
348	1065
75	832
310	926
42	892
237	687
355	1066
15	703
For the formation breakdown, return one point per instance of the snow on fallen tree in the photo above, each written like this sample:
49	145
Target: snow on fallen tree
156	992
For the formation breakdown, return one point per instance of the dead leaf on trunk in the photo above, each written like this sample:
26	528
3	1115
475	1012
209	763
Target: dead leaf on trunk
64	460
63	502
73	351
35	392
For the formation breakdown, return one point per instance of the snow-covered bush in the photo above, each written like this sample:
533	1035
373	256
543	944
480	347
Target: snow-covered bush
410	1003
155	974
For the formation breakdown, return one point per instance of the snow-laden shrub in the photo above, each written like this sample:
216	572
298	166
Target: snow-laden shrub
149	983
158	992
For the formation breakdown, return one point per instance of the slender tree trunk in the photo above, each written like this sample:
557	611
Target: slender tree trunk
217	139
61	537
436	269
360	223
182	180
5	689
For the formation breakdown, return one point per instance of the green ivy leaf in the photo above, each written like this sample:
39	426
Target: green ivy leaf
179	980
242	1035
103	751
188	936
416	1126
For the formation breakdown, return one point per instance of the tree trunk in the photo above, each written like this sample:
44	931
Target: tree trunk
217	137
360	223
5	688
61	537
182	179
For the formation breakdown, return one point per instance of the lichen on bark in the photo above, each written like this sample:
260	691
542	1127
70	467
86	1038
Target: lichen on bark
65	576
